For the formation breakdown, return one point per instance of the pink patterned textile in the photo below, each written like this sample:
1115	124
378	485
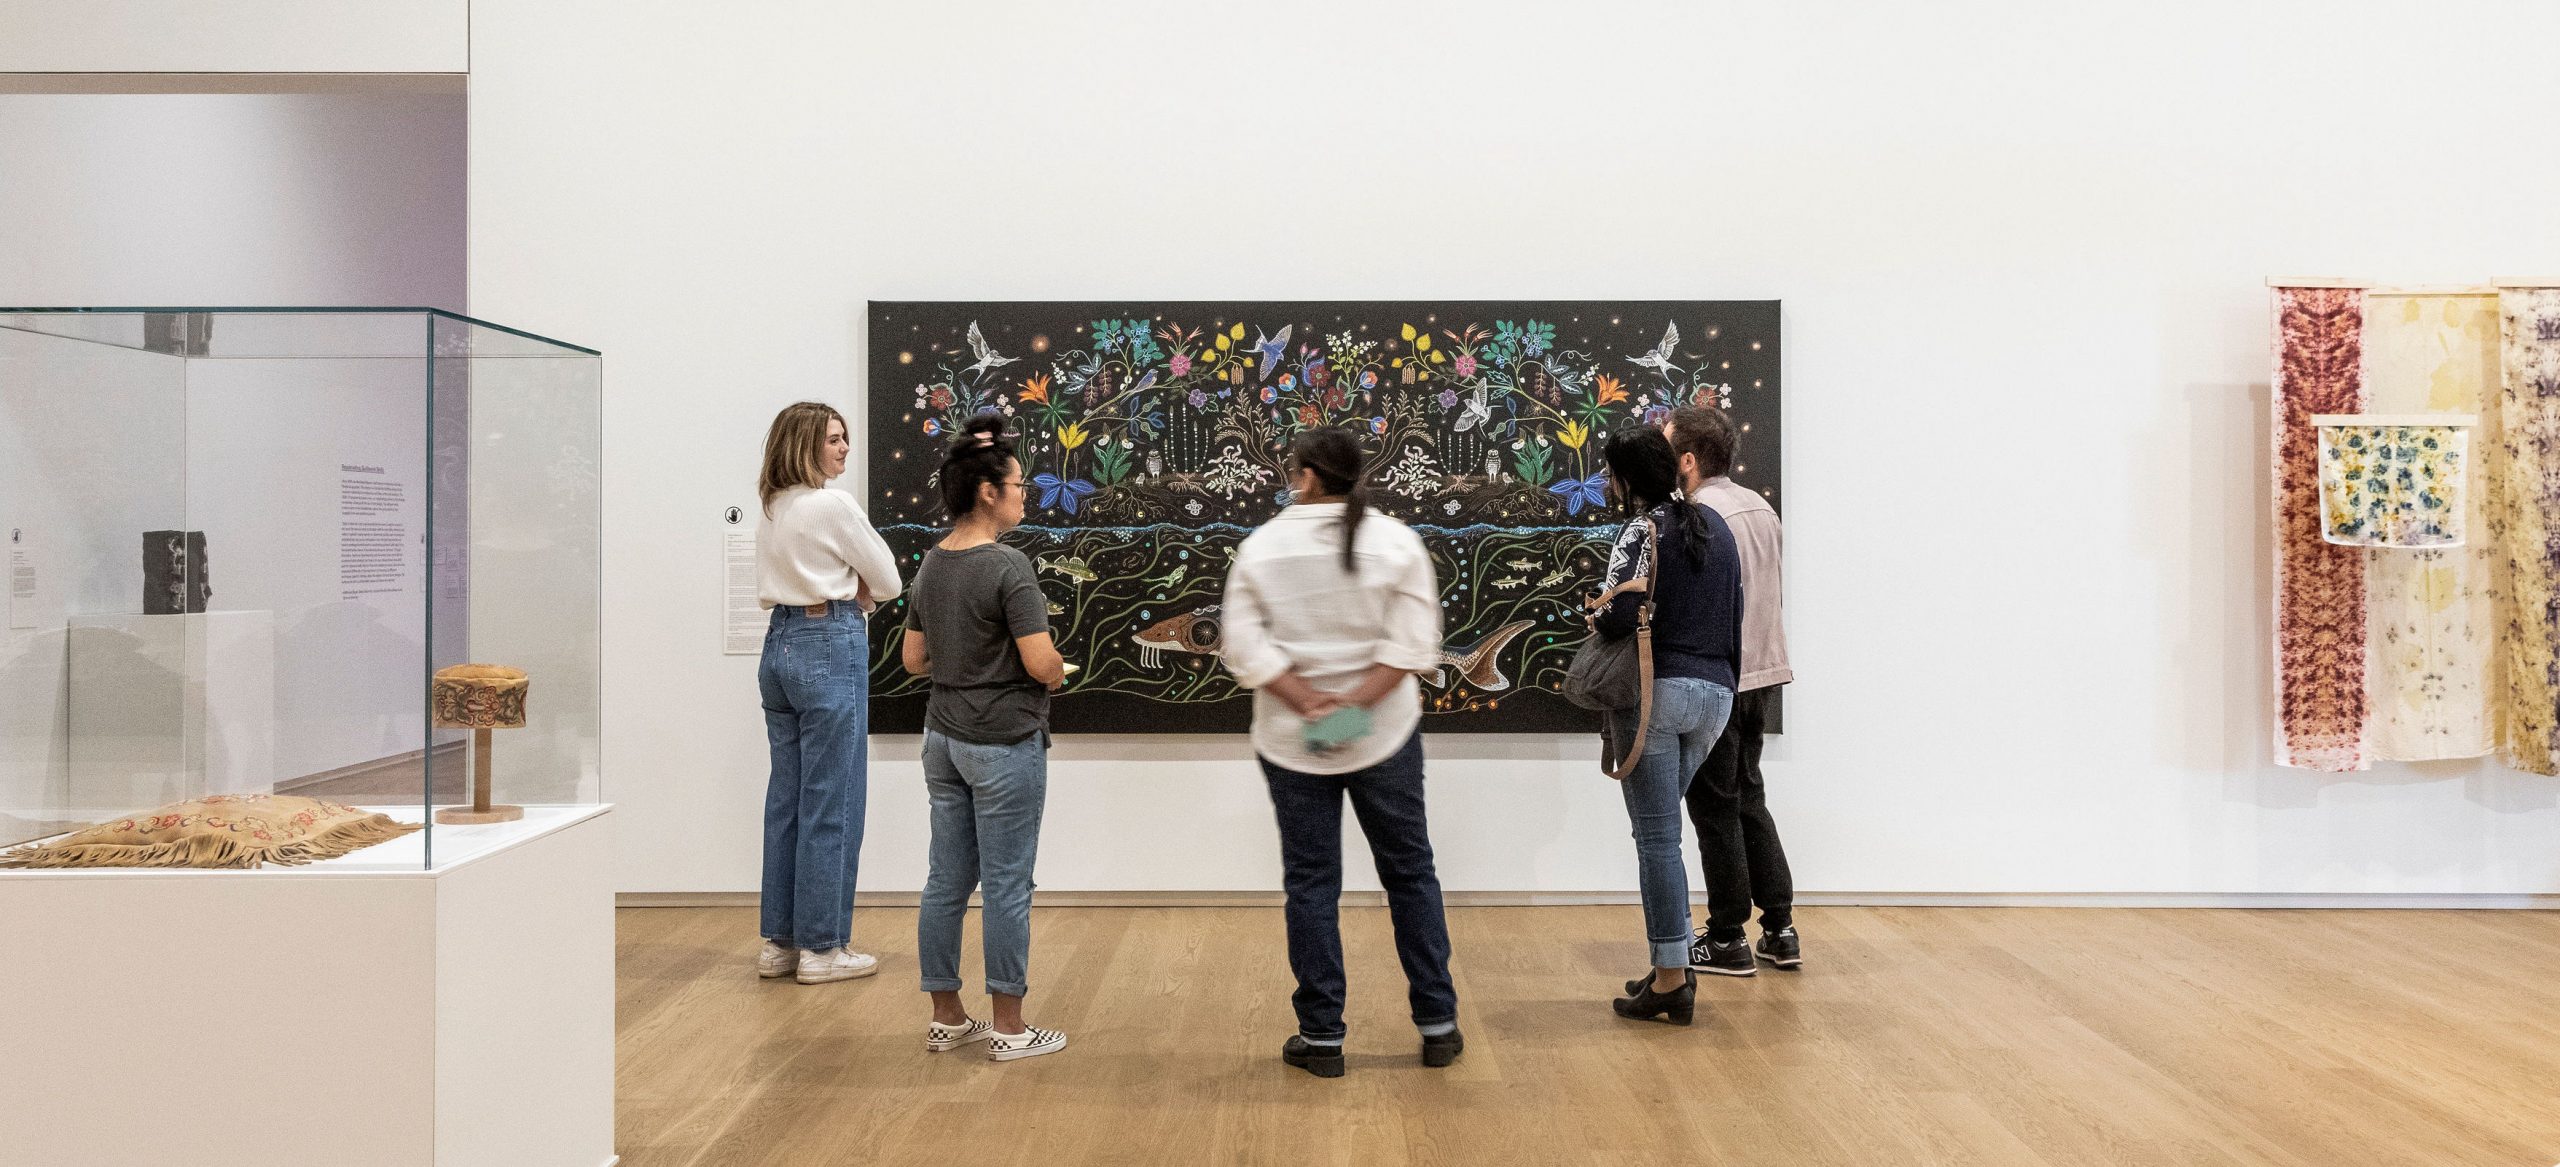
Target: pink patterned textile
2320	586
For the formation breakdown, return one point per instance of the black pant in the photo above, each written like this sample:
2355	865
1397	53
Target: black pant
1387	798
1738	846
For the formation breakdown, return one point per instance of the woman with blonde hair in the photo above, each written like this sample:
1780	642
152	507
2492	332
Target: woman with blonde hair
820	568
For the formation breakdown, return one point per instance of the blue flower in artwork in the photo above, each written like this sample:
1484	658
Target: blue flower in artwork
932	427
1269	395
1288	381
1064	493
1286	496
1580	493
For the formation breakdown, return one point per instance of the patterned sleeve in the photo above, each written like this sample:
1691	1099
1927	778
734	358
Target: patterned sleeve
1630	559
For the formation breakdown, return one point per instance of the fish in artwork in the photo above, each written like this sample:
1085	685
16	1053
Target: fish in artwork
1479	664
1057	609
1510	581
1074	569
1555	577
1199	632
1522	565
1174	578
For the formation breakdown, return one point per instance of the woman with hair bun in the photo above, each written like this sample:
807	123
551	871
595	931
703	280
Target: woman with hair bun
977	625
820	567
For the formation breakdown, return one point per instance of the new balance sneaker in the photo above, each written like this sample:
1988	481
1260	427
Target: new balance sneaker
1032	1042
1781	949
835	964
1731	958
942	1039
777	960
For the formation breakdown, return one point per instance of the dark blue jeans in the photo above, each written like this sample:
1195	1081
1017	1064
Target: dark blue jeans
1387	799
816	679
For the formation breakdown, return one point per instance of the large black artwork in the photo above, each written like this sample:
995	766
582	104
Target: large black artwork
1152	434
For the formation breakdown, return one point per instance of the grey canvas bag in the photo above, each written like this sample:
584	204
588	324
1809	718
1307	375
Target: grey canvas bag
1615	676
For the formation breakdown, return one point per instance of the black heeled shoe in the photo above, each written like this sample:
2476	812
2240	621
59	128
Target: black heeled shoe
1323	1061
1644	1004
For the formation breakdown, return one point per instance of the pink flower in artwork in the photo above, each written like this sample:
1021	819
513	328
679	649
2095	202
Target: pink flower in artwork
1465	365
1180	365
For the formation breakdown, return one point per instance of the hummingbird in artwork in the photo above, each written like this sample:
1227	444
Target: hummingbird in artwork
987	357
1271	346
1659	360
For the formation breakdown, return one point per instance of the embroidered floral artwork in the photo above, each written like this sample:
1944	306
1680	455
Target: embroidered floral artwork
1156	436
2433	667
2393	485
2529	517
2320	586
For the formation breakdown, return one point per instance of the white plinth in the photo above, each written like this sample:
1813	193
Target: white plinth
353	1012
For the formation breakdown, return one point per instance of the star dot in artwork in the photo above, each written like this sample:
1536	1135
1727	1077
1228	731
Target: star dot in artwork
1040	343
1714	332
1725	365
906	358
1755	346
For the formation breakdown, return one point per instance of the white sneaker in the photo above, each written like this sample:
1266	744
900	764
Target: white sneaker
942	1039
777	960
835	964
1035	1041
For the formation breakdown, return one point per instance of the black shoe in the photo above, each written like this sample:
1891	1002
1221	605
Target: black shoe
1643	1004
1780	948
1323	1061
1443	1049
1731	958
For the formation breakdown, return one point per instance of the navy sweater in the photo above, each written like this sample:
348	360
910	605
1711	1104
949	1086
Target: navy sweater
1697	610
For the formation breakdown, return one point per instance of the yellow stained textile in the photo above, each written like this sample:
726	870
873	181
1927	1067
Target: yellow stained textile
2528	514
2434	677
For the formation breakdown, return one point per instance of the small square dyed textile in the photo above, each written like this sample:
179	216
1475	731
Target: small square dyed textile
2393	485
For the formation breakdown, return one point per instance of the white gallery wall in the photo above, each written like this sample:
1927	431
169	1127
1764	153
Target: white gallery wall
347	193
2021	248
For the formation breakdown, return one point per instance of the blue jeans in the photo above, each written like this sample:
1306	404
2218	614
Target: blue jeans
986	833
1688	715
816	678
1387	798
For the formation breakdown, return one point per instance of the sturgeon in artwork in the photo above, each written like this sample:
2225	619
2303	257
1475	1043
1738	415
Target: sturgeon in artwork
1201	632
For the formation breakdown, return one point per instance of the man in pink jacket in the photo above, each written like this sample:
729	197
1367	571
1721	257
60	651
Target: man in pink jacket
1738	844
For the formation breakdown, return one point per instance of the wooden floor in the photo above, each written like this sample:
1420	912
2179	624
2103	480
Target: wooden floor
1914	1035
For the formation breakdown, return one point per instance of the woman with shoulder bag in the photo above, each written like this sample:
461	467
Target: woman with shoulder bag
1680	561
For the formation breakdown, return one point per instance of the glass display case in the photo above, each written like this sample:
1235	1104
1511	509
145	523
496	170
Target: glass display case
242	544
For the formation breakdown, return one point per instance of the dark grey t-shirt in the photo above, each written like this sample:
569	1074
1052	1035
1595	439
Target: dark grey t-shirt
971	605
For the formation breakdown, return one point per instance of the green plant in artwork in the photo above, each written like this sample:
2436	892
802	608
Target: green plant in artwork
1110	463
1533	461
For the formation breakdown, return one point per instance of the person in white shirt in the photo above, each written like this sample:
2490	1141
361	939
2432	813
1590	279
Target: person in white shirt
820	567
1330	611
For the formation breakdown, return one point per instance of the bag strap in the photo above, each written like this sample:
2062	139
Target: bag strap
1644	655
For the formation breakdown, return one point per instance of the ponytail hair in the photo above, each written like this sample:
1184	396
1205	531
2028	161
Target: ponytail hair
1648	476
980	453
1333	454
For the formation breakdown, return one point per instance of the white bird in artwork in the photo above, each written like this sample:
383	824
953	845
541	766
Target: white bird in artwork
987	358
1476	412
1659	360
1271	346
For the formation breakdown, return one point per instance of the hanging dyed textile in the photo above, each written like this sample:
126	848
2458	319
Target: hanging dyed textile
2393	485
2320	611
2529	514
2435	673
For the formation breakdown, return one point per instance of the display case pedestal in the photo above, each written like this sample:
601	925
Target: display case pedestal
448	1015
